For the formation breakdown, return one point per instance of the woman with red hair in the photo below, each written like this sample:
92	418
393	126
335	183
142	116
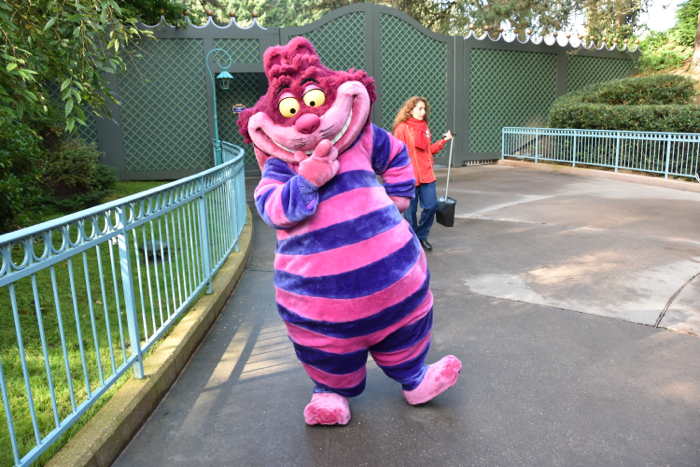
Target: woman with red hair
411	127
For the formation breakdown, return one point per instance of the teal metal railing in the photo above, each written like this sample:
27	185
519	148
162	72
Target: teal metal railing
675	154
89	293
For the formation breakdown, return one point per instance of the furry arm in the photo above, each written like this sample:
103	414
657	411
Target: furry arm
283	198
390	160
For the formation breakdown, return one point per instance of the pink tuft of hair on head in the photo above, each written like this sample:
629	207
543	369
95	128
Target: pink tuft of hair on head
288	65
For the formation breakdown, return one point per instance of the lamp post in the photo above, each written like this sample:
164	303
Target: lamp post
224	78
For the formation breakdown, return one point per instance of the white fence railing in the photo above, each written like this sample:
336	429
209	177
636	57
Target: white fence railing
675	154
84	296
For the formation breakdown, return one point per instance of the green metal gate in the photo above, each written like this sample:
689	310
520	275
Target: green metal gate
475	86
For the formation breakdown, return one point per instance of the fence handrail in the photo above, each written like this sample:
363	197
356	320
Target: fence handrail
70	218
610	132
667	153
170	241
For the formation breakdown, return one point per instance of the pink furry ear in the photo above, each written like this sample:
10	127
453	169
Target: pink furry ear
275	59
299	46
303	50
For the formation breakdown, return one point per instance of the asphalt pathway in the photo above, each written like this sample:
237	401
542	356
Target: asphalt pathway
548	288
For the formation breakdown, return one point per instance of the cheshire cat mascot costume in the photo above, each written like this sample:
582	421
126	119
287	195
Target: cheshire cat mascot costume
350	275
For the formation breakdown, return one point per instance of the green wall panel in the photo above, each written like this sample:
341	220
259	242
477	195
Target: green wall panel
413	64
241	51
244	90
341	43
508	88
582	71
164	108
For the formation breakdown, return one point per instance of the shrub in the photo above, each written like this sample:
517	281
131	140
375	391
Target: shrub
652	103
660	51
73	177
19	171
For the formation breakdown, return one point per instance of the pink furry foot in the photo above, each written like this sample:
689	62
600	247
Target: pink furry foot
440	376
327	408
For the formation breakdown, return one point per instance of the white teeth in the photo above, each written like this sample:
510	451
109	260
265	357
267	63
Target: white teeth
278	144
333	141
342	132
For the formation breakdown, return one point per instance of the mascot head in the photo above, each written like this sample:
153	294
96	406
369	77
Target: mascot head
305	104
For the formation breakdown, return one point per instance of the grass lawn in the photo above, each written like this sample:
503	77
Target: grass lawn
79	295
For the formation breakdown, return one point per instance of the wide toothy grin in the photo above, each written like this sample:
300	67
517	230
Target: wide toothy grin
333	141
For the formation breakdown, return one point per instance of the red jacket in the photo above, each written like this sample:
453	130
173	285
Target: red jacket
421	159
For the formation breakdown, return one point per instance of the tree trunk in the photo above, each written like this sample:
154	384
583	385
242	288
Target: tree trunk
695	62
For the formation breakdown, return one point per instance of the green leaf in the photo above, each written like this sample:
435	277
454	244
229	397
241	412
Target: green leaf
69	106
50	23
115	6
24	73
70	123
77	18
65	84
11	66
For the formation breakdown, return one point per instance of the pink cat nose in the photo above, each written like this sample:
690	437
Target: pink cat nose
307	124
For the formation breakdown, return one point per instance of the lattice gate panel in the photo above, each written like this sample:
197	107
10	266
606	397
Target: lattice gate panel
508	88
341	43
582	71
412	64
244	90
164	108
241	50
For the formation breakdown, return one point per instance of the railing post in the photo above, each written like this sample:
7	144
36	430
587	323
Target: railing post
8	415
537	140
668	154
235	195
204	234
129	297
617	152
503	143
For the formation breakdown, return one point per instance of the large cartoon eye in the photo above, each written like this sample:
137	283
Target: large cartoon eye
314	98
289	106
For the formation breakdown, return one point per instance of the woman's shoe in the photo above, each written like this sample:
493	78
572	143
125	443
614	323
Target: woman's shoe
426	246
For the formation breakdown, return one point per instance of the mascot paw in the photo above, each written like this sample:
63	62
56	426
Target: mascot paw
401	202
327	408
440	377
321	166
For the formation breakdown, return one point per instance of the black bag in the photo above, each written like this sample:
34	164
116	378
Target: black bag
445	212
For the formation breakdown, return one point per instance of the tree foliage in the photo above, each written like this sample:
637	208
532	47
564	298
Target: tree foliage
670	49
72	44
686	23
277	13
611	18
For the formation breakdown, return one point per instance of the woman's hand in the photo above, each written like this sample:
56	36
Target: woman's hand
447	136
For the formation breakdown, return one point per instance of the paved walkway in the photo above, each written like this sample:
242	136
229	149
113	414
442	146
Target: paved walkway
547	288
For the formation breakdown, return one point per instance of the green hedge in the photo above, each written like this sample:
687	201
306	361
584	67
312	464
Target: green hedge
20	160
652	103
